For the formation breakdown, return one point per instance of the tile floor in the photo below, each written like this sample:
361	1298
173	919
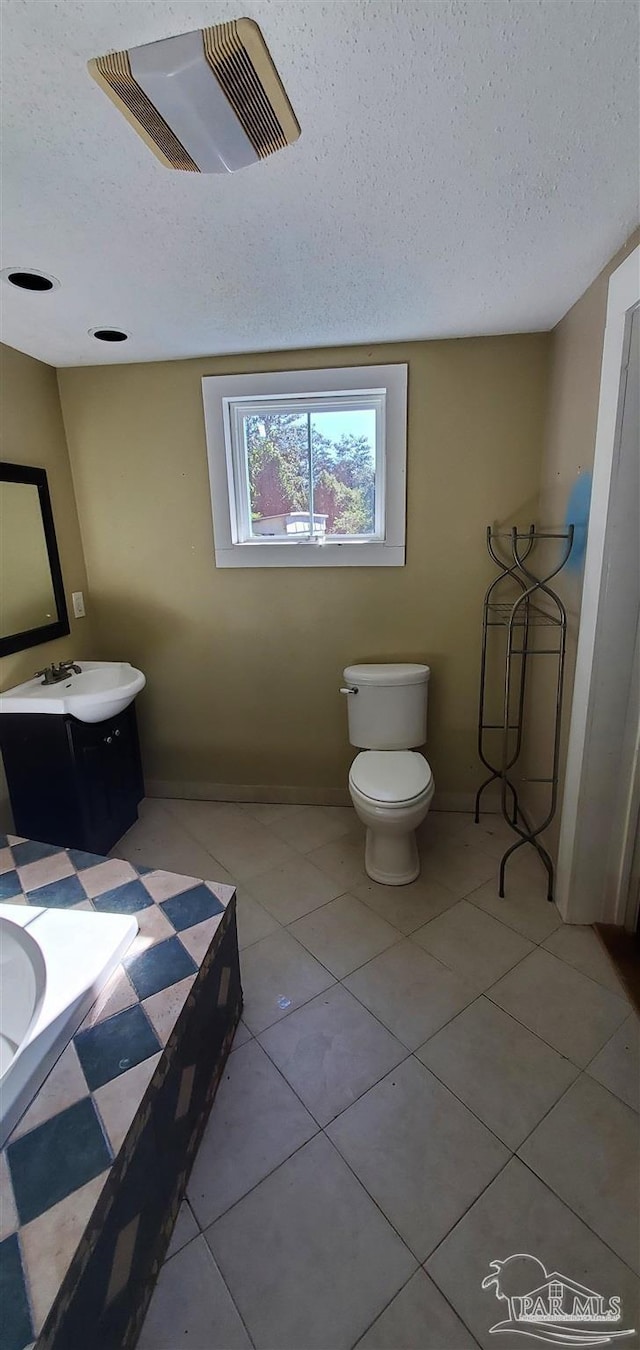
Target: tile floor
426	1079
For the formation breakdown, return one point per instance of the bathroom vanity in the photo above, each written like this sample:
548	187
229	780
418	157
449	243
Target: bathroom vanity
72	757
94	1172
80	782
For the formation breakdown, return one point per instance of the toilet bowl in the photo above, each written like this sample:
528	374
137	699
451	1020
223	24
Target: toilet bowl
391	784
391	791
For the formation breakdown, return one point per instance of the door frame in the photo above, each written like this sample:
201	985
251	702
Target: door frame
623	298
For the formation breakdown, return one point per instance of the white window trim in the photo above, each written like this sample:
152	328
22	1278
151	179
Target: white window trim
389	551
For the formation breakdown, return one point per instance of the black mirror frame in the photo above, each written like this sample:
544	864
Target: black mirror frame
32	637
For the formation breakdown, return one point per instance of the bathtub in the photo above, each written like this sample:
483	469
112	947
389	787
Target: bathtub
53	964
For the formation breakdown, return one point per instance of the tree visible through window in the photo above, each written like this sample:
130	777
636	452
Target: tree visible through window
311	472
303	458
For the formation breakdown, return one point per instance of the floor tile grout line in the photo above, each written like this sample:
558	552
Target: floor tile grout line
460	974
193	838
537	942
299	1008
269	826
481	993
411	937
462	1216
422	1262
513	1153
582	1070
407	937
517	1019
374	1201
323	1131
603	1240
413	1054
580	1074
410	1052
632	1016
255	1185
418	1263
411	1277
325	1126
314	910
457	1311
621	996
459	1220
347	973
444	1084
306	851
485	993
422	1270
217	1267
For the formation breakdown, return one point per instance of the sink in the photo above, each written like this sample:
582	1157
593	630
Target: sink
102	689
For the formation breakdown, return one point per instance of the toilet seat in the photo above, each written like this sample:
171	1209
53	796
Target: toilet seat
391	777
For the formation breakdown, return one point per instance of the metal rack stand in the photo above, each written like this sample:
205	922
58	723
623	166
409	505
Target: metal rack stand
519	603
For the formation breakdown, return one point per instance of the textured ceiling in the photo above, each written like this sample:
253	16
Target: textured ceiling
464	168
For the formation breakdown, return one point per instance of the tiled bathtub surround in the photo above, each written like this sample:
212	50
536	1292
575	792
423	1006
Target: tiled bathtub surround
425	1078
92	1176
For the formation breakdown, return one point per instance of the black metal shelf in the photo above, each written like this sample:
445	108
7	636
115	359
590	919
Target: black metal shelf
516	616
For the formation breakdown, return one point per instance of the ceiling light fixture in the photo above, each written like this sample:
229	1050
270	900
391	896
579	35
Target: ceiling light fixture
109	334
29	279
210	101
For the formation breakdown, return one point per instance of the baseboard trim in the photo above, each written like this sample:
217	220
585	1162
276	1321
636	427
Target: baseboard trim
293	795
466	801
248	792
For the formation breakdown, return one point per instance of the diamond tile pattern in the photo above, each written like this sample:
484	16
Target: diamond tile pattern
17	1330
318	1243
159	966
60	1150
192	906
127	899
59	894
56	1158
115	1045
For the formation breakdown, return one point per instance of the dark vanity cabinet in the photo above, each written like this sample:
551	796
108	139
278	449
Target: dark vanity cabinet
72	783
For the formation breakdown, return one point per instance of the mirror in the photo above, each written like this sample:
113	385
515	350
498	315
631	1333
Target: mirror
32	603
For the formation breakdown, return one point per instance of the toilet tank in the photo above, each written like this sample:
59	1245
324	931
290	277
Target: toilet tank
387	705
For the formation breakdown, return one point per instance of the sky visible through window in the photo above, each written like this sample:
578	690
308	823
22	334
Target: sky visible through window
358	422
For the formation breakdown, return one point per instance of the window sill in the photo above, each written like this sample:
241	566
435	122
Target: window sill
295	554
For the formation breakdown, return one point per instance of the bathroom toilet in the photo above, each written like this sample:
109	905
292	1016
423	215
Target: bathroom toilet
390	783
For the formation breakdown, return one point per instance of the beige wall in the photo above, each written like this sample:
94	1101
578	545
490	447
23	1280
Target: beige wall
243	666
32	433
574	389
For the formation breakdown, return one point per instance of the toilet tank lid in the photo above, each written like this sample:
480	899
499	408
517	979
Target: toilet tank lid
387	674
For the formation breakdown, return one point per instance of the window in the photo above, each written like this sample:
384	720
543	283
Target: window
307	468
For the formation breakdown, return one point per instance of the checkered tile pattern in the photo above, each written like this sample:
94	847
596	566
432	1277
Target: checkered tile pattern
58	1159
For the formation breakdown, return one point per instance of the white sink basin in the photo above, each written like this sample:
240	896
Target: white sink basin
102	689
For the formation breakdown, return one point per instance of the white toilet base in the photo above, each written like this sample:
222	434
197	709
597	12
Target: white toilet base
391	850
391	859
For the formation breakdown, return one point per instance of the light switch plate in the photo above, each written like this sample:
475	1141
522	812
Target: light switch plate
78	604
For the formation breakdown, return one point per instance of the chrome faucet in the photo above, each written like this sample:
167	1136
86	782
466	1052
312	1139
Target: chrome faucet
54	674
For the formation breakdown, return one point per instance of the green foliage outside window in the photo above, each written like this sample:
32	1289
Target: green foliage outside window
278	455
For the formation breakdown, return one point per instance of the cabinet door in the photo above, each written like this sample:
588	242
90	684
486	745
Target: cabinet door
109	777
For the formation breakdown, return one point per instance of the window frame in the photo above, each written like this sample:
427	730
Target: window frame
227	398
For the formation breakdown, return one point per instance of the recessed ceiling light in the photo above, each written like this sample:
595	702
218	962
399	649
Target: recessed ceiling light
29	279
109	334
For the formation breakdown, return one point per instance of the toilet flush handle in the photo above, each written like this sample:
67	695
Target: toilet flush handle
348	691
